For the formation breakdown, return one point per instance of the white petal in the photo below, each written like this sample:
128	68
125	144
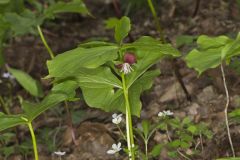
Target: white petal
119	145
114	147
111	151
115	121
59	153
114	115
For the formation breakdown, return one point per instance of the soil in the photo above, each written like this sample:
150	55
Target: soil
93	128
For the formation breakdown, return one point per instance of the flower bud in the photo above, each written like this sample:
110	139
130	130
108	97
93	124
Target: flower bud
129	58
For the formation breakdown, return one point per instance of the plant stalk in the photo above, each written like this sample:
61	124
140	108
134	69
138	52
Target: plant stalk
130	139
157	23
65	102
45	42
226	110
33	140
146	149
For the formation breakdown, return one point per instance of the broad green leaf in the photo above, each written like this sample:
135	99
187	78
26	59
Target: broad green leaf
95	44
203	60
66	87
22	24
206	42
9	121
101	89
71	61
122	29
34	110
231	49
111	22
27	82
75	6
98	86
60	92
184	40
149	51
143	83
97	78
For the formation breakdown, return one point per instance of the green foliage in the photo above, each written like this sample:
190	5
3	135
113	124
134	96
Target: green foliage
92	66
17	20
27	82
122	28
75	6
184	40
212	52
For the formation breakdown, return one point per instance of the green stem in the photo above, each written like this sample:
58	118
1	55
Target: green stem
146	149
157	23
130	139
33	140
121	132
45	42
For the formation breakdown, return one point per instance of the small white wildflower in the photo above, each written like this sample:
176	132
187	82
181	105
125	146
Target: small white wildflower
126	68
165	113
7	75
116	118
168	113
59	153
115	148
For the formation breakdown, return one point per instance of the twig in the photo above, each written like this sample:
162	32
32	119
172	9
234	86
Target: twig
197	6
226	110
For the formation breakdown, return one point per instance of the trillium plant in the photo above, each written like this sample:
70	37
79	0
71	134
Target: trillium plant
111	77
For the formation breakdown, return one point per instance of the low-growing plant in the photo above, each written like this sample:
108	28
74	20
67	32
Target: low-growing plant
180	135
211	53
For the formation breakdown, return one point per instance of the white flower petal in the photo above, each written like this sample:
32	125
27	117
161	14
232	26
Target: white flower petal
114	115
111	151
59	153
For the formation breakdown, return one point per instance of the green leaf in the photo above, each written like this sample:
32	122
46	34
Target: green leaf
101	89
98	86
192	129
206	42
60	92
203	60
9	121
27	82
146	127
148	51
186	121
111	22
212	51
231	49
174	144
156	150
71	61
75	6
143	83
184	40
34	110
122	29
22	24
